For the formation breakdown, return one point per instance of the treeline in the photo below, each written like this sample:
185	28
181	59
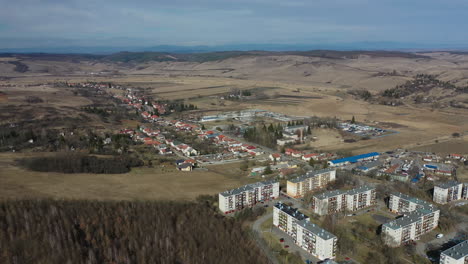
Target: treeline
264	135
80	163
92	232
421	83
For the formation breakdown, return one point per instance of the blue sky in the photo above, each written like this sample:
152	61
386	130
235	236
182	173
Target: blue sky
31	23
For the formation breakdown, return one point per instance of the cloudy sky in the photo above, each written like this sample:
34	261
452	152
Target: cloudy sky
30	23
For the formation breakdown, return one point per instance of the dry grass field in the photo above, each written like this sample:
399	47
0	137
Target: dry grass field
294	85
140	184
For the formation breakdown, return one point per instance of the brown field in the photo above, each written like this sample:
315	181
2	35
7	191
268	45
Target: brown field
295	85
140	184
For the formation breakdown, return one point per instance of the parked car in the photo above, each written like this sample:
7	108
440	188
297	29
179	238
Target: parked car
281	240
440	236
286	246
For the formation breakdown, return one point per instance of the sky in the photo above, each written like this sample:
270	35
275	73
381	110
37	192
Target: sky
37	23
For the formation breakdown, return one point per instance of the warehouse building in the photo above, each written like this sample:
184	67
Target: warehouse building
353	159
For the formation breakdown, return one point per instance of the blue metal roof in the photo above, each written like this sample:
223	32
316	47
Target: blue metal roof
355	159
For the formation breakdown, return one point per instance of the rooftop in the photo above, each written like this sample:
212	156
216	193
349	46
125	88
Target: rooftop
458	251
294	212
410	218
247	187
354	159
311	174
315	229
413	199
330	194
448	184
360	189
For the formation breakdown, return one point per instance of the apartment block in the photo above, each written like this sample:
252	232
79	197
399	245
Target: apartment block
418	218
316	240
312	180
329	202
285	218
360	197
401	203
465	191
447	192
457	254
248	195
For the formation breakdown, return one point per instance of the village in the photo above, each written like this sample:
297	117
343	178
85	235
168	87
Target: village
298	184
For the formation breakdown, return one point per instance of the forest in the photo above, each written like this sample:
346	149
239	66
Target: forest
80	163
88	232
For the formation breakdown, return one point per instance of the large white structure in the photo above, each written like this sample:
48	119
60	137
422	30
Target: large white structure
418	218
316	240
248	195
447	192
339	200
360	197
285	218
401	203
312	180
457	254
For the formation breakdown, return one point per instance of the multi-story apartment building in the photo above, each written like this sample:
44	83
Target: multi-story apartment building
457	254
316	240
339	200
312	180
329	202
419	217
360	197
285	218
447	192
401	203
248	195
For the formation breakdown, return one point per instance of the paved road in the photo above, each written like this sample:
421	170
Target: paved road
421	247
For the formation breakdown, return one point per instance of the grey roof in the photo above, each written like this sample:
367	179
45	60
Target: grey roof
315	229
247	187
448	184
360	189
417	201
409	218
310	174
294	212
330	194
458	251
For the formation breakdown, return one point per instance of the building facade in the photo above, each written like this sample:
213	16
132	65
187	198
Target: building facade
247	196
401	203
315	240
360	197
285	218
312	180
457	254
419	217
447	192
339	200
329	202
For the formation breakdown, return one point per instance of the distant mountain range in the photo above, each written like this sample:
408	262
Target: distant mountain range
396	46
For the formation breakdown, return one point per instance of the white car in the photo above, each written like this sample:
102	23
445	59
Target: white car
440	236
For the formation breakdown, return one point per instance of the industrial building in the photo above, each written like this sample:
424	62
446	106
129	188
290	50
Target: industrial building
312	180
447	192
457	254
248	195
353	159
